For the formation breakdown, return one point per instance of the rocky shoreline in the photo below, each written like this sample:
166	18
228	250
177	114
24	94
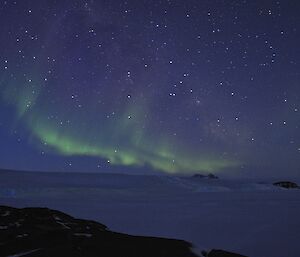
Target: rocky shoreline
34	232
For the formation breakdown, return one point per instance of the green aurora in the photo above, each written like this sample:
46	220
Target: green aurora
125	141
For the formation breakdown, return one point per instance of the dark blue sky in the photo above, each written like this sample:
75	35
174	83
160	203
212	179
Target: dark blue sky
136	86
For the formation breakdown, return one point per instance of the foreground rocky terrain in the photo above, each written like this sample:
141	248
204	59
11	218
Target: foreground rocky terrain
43	232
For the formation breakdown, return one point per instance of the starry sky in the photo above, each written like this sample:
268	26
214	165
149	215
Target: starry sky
166	86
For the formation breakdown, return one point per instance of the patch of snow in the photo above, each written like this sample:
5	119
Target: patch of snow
3	227
63	224
5	213
56	217
198	250
83	234
24	253
23	235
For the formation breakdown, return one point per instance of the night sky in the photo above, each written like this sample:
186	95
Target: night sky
141	86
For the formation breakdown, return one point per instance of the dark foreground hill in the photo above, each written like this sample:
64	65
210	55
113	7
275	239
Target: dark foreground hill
34	232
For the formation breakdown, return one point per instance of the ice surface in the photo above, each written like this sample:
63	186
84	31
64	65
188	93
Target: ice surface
248	217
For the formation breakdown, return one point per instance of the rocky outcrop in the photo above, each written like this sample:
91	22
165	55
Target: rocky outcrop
34	232
286	184
220	253
42	232
210	176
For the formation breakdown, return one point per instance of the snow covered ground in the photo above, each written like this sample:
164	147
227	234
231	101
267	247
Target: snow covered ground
248	217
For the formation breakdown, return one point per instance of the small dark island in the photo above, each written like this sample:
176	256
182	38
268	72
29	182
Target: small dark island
286	184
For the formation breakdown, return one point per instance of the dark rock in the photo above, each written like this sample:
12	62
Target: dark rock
286	184
43	232
220	253
210	175
198	176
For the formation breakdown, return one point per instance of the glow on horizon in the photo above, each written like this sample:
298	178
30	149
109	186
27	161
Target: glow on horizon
123	143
